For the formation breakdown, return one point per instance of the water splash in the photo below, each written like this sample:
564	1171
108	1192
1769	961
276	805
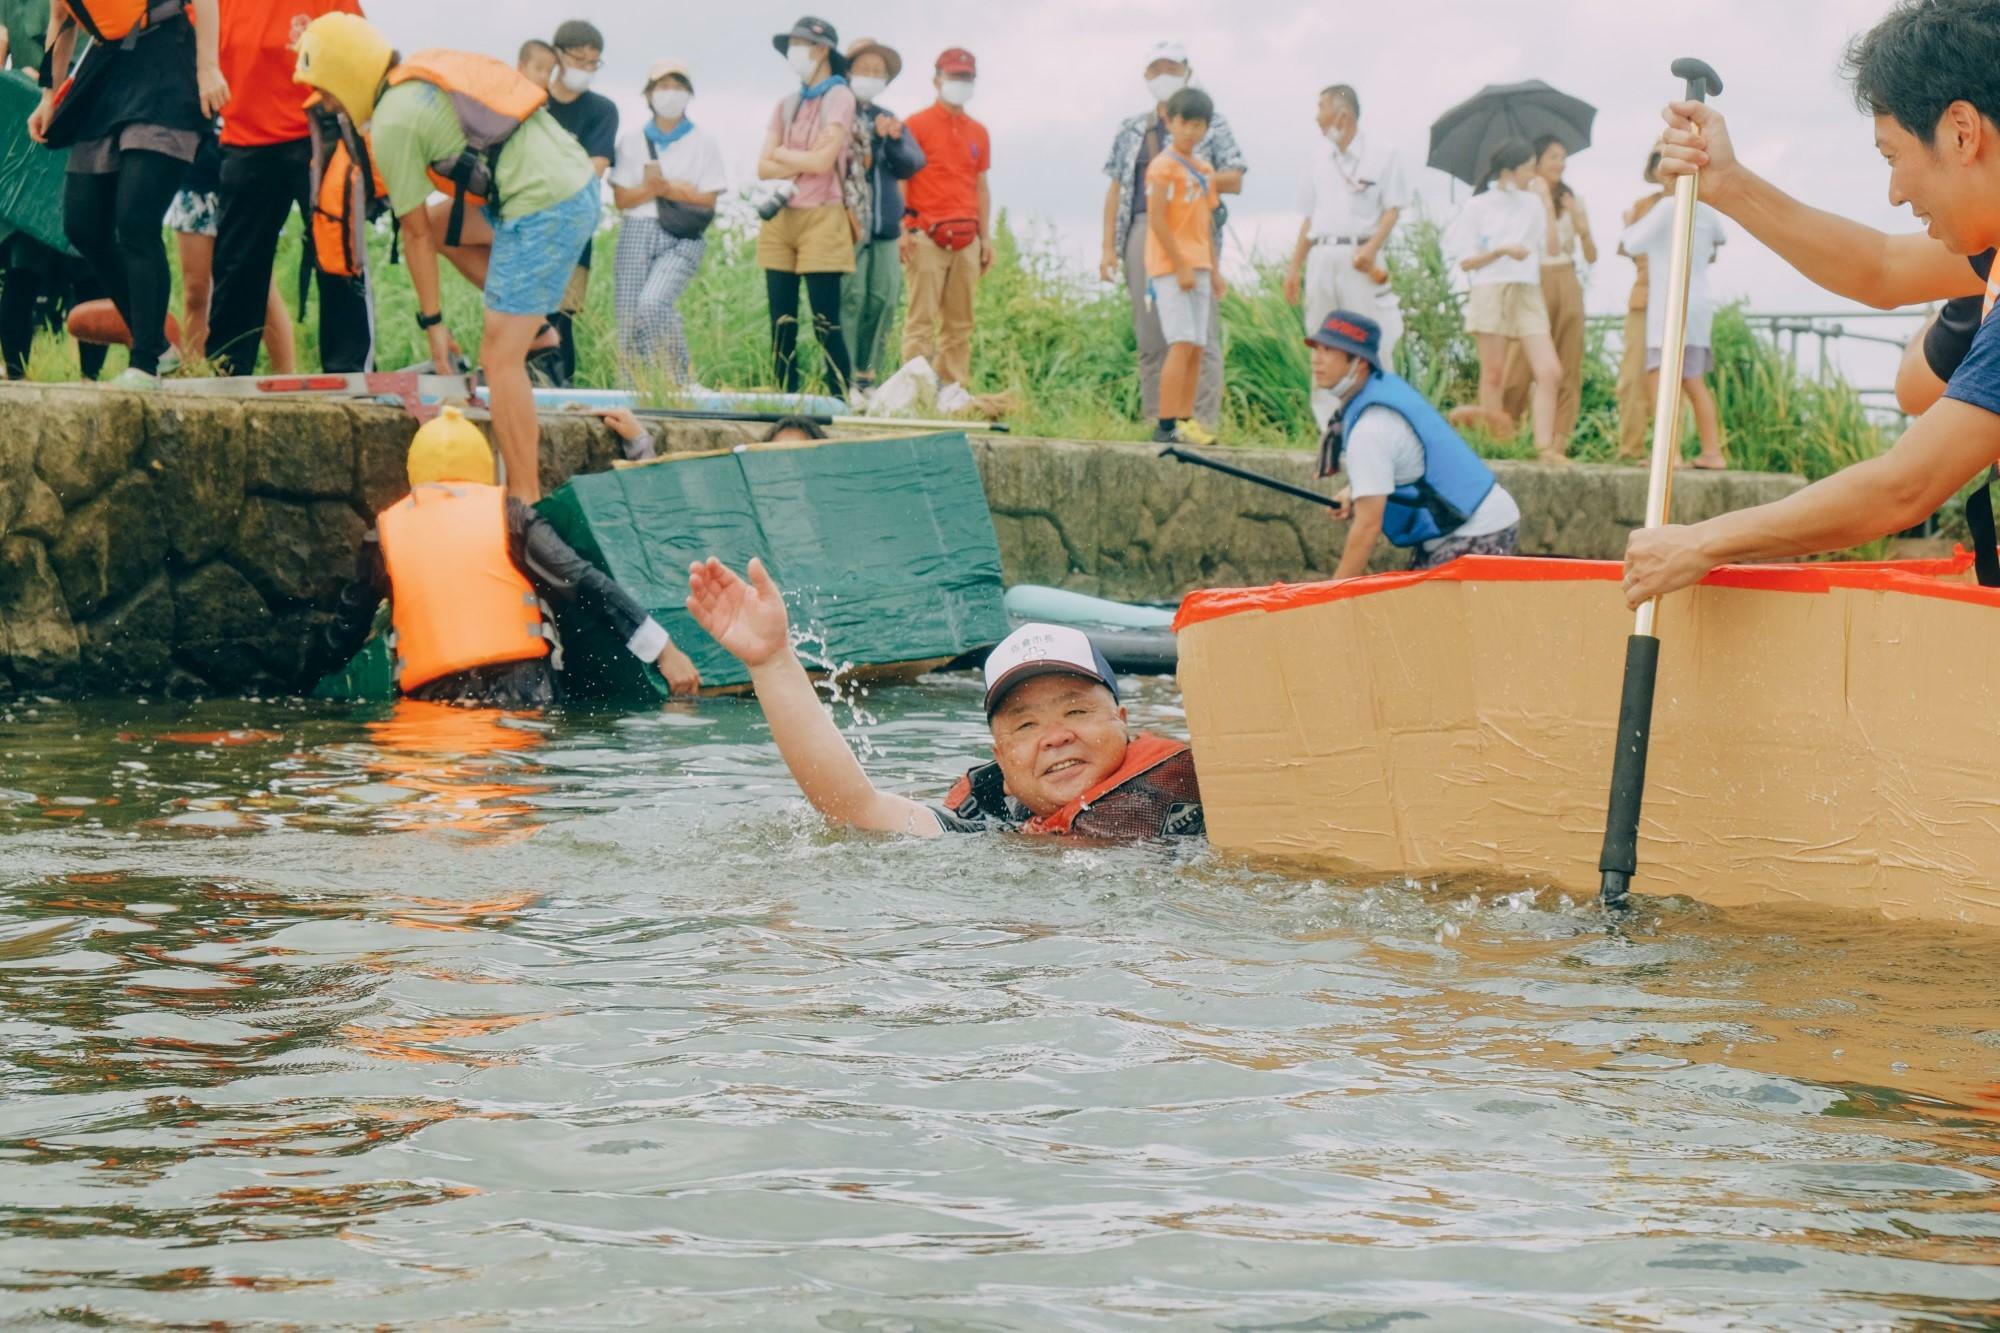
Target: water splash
835	680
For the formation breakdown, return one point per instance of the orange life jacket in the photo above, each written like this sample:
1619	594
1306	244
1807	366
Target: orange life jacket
492	100
109	21
1154	794
457	599
347	192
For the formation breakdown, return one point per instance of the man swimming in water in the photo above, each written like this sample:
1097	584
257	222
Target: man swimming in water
1065	761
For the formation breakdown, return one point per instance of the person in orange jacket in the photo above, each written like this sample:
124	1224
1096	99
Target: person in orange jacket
467	570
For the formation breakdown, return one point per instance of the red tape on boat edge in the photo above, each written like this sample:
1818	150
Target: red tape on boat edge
1916	577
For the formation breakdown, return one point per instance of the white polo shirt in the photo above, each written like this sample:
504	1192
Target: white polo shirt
1346	192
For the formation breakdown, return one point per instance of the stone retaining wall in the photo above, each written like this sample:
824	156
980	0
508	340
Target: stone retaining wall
154	542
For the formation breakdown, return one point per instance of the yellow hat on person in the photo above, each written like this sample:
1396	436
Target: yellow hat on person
346	57
450	448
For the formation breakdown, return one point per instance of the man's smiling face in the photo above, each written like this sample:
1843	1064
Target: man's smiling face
1055	738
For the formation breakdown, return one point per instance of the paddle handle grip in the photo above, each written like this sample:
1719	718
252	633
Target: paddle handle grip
1620	860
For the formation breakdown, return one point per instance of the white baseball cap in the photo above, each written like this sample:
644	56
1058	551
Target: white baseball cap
1174	51
1042	650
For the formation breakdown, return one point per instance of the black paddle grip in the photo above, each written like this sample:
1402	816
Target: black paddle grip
1702	80
1628	769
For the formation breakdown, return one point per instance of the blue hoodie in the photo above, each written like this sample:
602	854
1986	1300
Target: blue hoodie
896	160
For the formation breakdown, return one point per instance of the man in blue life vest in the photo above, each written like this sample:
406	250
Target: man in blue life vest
467	569
1410	477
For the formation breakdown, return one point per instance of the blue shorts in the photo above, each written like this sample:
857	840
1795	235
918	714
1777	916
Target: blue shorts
534	255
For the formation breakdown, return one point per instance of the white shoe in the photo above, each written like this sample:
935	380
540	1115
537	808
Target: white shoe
132	378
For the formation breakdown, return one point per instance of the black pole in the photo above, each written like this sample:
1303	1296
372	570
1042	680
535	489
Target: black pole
1255	478
706	414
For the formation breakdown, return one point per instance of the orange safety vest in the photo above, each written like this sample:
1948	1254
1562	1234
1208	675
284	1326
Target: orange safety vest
347	191
492	100
1154	794
457	601
109	21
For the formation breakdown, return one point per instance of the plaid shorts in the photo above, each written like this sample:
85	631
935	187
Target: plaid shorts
1507	541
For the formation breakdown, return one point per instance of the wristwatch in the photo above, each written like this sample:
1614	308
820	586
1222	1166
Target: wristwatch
429	322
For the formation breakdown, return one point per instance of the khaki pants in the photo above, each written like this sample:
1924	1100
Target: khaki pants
938	323
1635	405
1562	291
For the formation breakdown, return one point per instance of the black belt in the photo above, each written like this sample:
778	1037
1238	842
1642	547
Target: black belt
1344	240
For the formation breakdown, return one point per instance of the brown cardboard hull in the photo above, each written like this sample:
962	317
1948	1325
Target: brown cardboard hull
1822	735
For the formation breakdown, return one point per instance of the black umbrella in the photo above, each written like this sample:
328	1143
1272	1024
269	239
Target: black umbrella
1463	139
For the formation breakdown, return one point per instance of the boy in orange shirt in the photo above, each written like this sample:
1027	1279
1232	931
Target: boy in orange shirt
1180	261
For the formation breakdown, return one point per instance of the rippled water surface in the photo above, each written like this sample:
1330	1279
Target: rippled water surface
422	1018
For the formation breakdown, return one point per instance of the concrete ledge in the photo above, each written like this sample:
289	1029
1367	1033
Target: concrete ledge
190	544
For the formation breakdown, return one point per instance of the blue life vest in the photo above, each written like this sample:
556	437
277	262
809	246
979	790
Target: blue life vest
1455	479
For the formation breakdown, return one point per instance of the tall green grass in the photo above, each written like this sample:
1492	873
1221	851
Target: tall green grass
1062	344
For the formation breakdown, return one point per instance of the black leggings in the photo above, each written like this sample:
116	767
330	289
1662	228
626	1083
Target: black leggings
823	290
114	221
37	293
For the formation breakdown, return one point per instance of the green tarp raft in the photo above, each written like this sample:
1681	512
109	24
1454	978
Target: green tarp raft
31	176
885	549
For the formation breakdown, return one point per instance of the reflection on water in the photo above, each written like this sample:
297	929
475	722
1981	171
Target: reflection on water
426	1016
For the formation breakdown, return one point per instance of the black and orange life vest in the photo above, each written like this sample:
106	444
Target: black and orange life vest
457	599
347	193
111	21
492	100
1154	794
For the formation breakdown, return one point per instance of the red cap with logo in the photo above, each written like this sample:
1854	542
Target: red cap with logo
958	60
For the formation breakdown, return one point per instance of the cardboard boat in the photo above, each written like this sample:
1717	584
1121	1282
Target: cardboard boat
1824	734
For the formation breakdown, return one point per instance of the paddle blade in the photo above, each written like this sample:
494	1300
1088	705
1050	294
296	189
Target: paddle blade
1620	860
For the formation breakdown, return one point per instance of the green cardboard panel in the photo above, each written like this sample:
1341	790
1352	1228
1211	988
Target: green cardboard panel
31	176
884	547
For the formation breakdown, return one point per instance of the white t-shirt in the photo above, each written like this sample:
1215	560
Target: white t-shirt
1653	237
693	159
1499	218
1383	452
1346	193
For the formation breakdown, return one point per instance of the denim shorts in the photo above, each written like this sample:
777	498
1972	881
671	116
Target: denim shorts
534	255
1183	315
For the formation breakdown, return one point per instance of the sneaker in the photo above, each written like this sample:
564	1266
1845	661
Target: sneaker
1193	432
1165	435
133	378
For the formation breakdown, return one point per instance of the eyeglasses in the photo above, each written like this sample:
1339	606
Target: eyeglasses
577	62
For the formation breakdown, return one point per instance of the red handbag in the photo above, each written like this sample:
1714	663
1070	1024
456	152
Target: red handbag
953	233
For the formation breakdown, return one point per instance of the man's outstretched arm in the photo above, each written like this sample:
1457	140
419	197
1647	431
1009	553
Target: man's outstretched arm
749	619
1846	257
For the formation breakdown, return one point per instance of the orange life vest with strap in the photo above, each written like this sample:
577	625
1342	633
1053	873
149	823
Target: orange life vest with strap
492	100
347	194
457	599
1154	794
112	21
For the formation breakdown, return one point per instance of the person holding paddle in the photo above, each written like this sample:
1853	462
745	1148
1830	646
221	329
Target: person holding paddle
1929	73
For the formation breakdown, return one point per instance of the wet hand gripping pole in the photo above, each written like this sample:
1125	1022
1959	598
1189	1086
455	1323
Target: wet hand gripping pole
1620	860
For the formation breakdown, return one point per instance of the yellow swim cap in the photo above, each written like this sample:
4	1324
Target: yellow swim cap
450	448
346	57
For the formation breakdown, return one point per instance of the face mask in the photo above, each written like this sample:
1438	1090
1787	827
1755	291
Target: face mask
1332	133
576	80
1162	86
668	103
1348	381
867	88
803	60
956	92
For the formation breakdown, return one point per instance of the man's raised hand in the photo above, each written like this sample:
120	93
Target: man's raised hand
748	619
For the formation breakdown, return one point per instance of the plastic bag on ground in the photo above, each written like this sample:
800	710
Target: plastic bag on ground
911	392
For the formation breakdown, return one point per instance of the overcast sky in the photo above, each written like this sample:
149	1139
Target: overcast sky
1058	75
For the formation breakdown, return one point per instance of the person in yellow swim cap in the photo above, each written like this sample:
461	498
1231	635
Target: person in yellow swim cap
468	571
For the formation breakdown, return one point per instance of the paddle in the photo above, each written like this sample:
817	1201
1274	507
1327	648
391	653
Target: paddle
1620	859
1255	478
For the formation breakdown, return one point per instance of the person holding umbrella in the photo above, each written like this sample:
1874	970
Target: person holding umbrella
1498	238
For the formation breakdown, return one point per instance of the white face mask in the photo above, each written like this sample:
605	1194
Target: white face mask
668	103
1162	86
576	80
867	87
803	59
1350	380
955	92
